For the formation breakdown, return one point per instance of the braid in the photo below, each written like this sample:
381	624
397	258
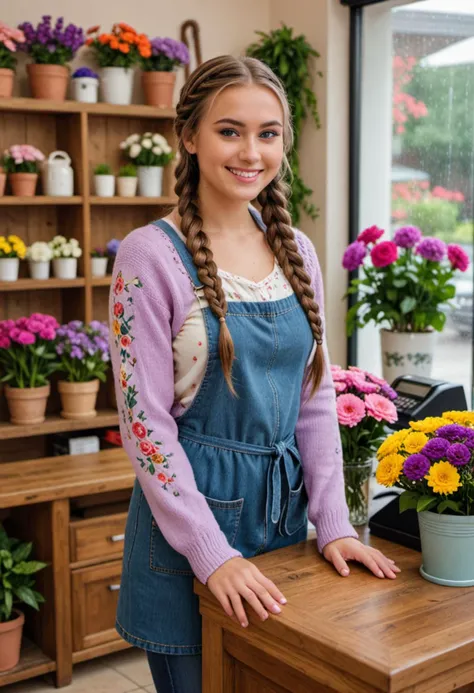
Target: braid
281	239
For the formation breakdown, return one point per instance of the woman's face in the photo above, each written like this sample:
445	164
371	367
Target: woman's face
239	143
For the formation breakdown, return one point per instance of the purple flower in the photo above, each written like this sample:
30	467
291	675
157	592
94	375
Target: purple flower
416	466
388	391
436	448
407	236
84	72
431	249
76	353
454	433
113	246
354	256
458	454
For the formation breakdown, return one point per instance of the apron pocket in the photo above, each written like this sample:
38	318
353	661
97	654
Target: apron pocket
297	514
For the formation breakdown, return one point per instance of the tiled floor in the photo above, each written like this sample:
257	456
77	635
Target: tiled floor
123	672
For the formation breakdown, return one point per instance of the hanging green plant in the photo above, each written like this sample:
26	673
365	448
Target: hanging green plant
289	57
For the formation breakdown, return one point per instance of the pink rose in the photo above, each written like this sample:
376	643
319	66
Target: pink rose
457	257
350	410
147	448
380	408
384	253
138	428
370	235
4	341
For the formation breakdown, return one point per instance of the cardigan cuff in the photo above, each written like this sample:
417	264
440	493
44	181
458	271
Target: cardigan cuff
208	553
332	525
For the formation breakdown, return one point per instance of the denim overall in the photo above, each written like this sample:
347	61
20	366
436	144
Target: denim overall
245	460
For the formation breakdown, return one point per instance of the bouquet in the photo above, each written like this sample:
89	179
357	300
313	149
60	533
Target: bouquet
121	48
433	462
9	38
166	54
48	46
22	158
12	246
405	281
39	252
61	247
84	72
27	350
150	149
84	350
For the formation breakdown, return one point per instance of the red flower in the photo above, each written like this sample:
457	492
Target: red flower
457	257
384	253
118	310
370	235
161	476
126	340
147	448
124	384
170	480
119	285
139	430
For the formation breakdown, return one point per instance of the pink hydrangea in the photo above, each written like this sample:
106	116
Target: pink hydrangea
384	253
380	408
457	257
370	235
350	410
24	337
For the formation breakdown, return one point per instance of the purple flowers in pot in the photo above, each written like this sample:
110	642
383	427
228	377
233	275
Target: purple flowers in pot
166	54
50	45
83	349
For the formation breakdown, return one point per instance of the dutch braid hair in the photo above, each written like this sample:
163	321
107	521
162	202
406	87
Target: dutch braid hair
207	81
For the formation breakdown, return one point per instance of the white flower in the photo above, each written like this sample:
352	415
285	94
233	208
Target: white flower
167	149
58	240
123	145
74	242
56	252
135	150
157	150
66	250
76	252
147	144
148	134
159	139
39	252
132	138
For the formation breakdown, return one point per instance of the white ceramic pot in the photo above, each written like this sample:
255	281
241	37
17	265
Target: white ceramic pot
127	186
58	176
150	181
104	186
407	353
85	89
117	85
65	267
39	269
9	267
99	266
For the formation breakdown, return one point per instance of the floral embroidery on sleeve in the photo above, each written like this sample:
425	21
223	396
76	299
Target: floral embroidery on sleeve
150	454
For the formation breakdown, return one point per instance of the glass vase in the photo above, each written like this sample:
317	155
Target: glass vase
357	486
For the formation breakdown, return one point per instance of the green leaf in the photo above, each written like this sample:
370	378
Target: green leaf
425	503
8	602
408	304
26	595
451	505
22	552
27	568
408	500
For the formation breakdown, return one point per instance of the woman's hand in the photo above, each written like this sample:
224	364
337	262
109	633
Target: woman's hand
348	549
239	578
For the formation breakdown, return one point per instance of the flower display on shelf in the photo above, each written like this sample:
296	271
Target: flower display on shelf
149	149
12	247
9	42
22	158
166	55
83	349
63	248
39	251
50	45
84	72
122	47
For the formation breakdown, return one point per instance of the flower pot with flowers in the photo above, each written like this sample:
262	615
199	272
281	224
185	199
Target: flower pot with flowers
159	76
17	579
127	181
104	181
21	163
99	261
85	85
9	40
433	462
404	285
150	153
117	54
51	49
364	406
65	255
27	360
39	256
12	250
84	353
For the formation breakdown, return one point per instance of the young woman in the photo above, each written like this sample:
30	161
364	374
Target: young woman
225	396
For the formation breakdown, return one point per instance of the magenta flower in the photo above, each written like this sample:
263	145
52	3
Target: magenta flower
354	256
436	448
432	249
370	235
25	338
458	454
416	467
380	408
384	254
350	410
457	257
407	236
4	341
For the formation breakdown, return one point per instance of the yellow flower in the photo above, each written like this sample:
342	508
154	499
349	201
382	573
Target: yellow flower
7	248
116	327
414	442
429	425
389	469
392	443
14	239
443	478
464	418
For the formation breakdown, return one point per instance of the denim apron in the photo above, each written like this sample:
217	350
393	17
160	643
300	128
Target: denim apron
245	461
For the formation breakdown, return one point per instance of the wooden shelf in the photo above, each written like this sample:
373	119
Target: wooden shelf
35	284
56	424
26	105
102	281
146	201
38	201
32	663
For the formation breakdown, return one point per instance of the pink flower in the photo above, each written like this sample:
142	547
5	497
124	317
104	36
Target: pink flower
384	253
376	379
4	341
350	410
22	323
25	338
370	235
367	388
340	386
35	325
380	408
457	257
47	333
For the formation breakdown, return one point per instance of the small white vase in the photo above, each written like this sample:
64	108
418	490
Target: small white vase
407	353
39	269
117	85
65	267
9	267
104	186
85	89
127	186
150	181
99	266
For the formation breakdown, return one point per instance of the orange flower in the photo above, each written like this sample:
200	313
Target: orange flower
128	37
142	38
89	41
114	44
124	47
144	51
104	38
127	27
93	29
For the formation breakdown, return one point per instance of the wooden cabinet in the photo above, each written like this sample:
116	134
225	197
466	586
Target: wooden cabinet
97	539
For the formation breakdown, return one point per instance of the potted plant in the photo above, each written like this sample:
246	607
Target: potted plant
112	250
159	76
149	152
99	260
84	353
9	38
433	462
39	256
21	164
104	181
12	250
85	85
364	406
17	579
117	54
65	255
27	360
405	283
51	49
127	181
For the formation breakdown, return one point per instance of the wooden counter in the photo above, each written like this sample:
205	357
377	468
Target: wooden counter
359	633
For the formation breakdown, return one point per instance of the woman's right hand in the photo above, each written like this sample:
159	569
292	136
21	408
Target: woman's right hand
237	578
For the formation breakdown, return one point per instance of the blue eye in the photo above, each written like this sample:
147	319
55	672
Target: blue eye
269	132
226	131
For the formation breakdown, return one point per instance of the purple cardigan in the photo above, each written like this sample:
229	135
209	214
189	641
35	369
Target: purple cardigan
150	298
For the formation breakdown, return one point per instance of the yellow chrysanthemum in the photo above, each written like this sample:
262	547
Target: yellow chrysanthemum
464	418
392	443
443	478
389	469
116	327
415	441
6	247
14	239
429	425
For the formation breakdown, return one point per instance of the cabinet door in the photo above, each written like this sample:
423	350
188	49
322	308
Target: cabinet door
95	593
97	538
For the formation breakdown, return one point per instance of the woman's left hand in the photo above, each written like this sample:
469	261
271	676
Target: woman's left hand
339	551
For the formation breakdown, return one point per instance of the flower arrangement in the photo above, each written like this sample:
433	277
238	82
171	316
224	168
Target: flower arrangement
27	350
83	350
52	46
121	48
39	251
12	246
433	462
149	149
9	40
405	281
166	55
22	158
84	72
61	247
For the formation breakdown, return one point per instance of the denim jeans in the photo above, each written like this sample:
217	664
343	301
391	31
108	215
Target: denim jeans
176	673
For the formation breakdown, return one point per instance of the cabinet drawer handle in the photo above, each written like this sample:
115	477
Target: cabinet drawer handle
114	588
117	537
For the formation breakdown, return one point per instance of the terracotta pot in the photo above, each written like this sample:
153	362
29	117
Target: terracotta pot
3	180
158	88
27	405
48	81
6	82
78	399
10	641
23	184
